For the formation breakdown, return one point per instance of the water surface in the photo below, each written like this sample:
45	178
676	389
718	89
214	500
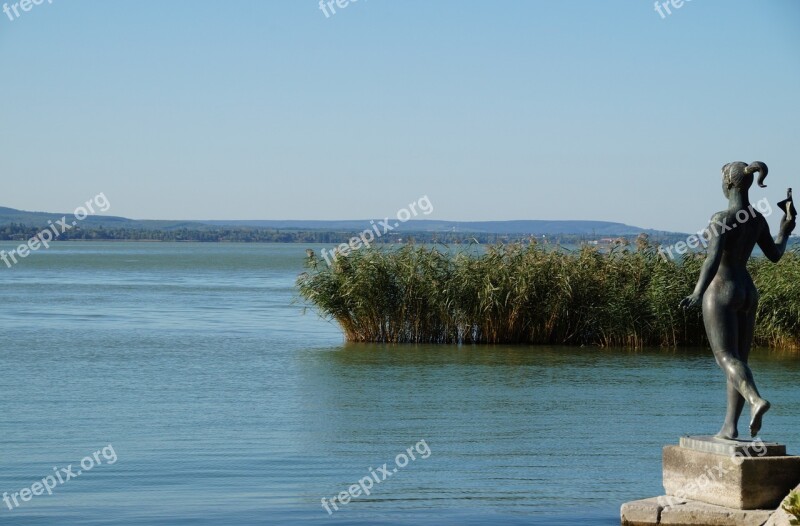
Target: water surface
225	404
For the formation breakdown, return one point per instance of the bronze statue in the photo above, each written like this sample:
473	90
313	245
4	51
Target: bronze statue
728	296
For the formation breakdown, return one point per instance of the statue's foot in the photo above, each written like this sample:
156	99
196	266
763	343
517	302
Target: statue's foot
757	411
728	432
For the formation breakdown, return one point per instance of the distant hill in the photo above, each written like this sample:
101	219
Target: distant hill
37	219
519	227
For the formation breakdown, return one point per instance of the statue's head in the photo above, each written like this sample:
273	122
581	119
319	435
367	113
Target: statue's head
740	175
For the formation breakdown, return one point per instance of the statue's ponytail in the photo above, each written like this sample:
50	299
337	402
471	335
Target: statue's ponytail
761	168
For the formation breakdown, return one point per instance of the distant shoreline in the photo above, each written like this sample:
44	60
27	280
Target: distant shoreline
224	234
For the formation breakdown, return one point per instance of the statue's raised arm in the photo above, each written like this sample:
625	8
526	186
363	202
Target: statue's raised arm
774	249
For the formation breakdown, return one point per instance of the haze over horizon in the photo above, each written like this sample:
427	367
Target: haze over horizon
504	111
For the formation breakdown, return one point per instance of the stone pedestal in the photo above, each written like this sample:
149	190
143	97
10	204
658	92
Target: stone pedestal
744	475
711	481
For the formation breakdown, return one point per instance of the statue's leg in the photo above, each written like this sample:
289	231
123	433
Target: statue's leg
747	325
723	330
730	429
747	322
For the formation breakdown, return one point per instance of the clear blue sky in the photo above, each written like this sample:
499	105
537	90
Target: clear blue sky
246	109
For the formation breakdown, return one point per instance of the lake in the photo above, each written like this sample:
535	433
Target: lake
219	401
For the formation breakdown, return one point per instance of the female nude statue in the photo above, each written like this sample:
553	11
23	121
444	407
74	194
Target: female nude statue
727	293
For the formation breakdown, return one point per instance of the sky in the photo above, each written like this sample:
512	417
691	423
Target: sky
501	110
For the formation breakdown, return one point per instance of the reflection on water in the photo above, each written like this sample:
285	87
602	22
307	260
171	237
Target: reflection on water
226	405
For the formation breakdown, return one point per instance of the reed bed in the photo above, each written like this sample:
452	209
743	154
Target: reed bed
533	294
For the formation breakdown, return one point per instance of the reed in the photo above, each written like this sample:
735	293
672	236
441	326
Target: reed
534	294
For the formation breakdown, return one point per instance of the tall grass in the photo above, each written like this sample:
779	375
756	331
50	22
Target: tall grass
533	294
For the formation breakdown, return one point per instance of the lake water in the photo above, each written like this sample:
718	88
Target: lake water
224	403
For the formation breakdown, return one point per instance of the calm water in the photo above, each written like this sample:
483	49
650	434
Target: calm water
225	404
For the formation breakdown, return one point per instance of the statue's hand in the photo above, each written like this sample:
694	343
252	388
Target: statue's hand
690	301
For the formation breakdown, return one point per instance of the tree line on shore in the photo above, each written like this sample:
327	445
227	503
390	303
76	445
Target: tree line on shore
23	232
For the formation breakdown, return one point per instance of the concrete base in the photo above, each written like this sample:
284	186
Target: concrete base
655	512
715	482
749	479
